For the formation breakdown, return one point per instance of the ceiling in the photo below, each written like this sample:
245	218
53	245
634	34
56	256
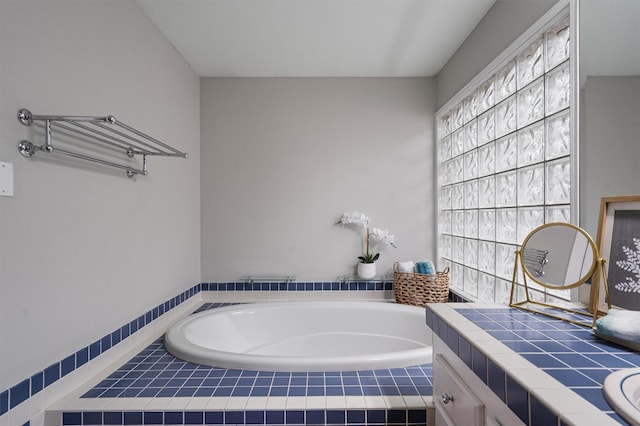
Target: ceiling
316	38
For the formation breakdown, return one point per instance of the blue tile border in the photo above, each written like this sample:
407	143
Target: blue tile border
405	417
378	285
27	388
15	395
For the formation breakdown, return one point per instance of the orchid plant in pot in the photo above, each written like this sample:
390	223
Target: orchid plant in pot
372	236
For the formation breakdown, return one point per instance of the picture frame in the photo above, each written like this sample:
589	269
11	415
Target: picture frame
618	241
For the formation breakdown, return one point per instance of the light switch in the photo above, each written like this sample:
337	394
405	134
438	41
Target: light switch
6	179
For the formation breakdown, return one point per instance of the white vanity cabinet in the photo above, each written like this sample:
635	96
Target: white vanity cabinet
455	402
460	397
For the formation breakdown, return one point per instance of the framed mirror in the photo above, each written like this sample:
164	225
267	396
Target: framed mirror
556	256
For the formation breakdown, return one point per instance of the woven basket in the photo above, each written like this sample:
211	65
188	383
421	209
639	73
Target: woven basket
419	289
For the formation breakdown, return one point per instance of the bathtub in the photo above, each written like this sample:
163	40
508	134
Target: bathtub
304	336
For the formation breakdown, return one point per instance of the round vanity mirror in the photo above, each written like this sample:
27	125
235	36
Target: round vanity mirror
559	255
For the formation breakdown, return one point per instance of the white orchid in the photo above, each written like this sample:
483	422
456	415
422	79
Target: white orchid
354	218
377	234
383	236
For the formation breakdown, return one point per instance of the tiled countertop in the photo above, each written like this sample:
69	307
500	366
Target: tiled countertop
560	366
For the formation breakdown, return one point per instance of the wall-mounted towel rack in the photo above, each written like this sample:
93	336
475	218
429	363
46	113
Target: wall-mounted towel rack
105	131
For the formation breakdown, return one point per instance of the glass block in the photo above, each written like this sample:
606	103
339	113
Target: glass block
470	107
506	226
487	225
471	253
487	127
457	196
446	246
457	169
503	291
505	260
536	296
471	223
558	214
471	194
445	172
506	189
486	288
531	185
444	201
457	143
445	148
531	103
485	95
457	249
528	220
471	282
558	42
458	117
531	63
506	112
531	145
471	135
505	81
457	222
558	142
558	181
471	164
444	125
557	296
487	159
487	256
487	192
558	86
456	276
445	222
507	153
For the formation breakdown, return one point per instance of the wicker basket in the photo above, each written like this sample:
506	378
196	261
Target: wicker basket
419	289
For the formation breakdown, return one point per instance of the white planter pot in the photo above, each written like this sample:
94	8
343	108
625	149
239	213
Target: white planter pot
366	270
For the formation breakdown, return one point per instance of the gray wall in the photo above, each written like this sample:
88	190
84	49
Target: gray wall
283	158
83	249
500	27
610	143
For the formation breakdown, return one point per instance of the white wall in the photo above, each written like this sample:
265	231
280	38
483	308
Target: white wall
610	144
500	27
283	158
83	249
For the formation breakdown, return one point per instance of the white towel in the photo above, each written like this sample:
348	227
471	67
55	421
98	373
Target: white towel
406	266
620	324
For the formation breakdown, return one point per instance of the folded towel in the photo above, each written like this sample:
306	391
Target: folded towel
406	266
620	324
425	267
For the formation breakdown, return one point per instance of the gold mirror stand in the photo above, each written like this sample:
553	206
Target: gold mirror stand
528	304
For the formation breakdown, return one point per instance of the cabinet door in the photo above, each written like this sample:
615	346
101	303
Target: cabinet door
455	402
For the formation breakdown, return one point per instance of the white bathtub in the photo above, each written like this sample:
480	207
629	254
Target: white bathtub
304	336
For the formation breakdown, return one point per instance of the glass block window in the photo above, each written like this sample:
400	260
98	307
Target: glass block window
504	161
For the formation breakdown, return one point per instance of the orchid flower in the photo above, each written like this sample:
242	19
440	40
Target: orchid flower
376	234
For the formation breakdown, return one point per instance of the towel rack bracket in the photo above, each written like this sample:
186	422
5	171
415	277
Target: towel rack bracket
25	116
27	149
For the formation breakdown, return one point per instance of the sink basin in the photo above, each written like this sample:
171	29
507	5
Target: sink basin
622	391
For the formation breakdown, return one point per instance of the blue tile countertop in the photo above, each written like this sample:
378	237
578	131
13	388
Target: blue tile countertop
486	338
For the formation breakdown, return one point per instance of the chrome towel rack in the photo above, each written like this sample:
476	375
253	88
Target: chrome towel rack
106	131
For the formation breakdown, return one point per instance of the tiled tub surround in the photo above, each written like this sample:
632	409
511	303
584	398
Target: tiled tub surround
547	371
154	387
26	401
